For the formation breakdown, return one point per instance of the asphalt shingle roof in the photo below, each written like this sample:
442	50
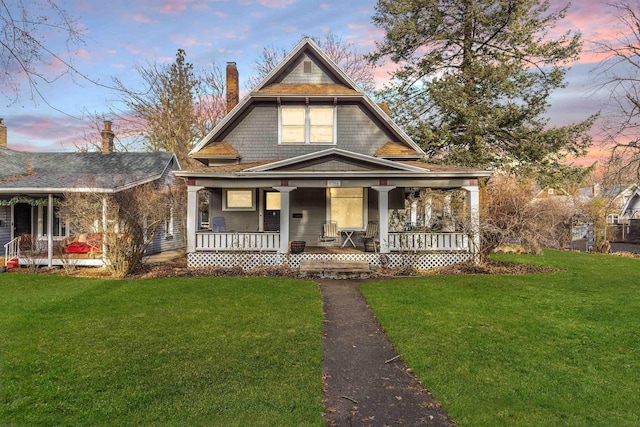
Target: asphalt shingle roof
65	171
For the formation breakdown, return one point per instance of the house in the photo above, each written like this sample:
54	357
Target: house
31	183
306	149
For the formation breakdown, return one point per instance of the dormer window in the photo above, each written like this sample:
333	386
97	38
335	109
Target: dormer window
307	125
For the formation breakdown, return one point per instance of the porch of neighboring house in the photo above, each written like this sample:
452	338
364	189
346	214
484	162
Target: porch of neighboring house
34	235
406	234
24	250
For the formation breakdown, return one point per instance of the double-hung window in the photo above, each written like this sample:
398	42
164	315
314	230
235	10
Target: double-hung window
307	125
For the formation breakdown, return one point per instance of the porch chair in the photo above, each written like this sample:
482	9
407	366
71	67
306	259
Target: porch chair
330	234
370	237
218	224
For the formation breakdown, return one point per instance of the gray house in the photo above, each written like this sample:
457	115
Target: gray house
308	159
31	183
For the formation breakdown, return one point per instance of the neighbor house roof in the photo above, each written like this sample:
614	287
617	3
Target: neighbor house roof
24	172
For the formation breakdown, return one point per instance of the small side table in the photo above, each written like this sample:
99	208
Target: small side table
348	237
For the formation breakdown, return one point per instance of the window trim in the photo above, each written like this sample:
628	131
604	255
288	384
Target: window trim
307	124
225	192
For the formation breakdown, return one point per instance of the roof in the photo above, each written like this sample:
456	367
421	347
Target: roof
306	89
326	163
80	171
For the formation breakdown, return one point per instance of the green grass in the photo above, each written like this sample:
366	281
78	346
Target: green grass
187	351
553	349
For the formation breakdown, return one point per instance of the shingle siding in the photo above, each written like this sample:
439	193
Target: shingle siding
311	203
319	74
256	136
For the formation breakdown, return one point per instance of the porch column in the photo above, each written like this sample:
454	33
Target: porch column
473	205
104	230
192	216
284	217
50	230
383	212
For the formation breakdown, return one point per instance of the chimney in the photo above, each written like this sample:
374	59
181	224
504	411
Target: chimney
107	138
233	86
3	134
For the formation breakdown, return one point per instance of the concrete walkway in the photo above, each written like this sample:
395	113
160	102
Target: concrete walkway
365	383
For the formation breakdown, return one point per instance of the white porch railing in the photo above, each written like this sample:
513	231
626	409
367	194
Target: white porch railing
12	250
228	241
422	241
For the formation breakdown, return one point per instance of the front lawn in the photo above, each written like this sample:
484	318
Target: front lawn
553	349
179	351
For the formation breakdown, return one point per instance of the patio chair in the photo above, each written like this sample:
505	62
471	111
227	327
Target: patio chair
371	233
218	224
330	234
370	237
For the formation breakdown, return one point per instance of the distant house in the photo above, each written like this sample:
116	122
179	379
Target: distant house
308	159
31	183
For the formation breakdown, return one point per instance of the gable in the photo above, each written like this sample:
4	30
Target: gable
334	160
306	69
306	79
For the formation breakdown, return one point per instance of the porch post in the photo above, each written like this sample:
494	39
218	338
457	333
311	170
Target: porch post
284	217
383	213
192	216
50	230
104	231
473	204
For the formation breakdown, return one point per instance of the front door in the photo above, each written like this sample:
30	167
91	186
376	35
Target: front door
272	211
21	219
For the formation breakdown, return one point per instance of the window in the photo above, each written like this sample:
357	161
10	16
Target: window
59	226
307	125
273	201
613	219
168	225
347	207
239	200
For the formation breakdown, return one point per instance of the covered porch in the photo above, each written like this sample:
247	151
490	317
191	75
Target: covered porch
250	238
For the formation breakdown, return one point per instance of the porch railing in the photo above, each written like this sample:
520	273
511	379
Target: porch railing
12	250
422	241
228	241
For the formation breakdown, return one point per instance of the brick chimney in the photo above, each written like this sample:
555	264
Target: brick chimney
233	86
107	138
3	134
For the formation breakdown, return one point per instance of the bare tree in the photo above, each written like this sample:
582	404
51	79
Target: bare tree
621	72
175	106
29	31
133	218
509	215
344	53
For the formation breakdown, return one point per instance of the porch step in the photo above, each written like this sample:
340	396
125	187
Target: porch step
335	269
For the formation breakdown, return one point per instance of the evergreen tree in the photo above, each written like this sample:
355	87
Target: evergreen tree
474	80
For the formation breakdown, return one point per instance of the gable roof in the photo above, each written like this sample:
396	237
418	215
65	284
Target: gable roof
74	172
343	87
373	163
630	203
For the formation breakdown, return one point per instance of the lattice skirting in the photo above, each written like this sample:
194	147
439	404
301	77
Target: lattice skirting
391	260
